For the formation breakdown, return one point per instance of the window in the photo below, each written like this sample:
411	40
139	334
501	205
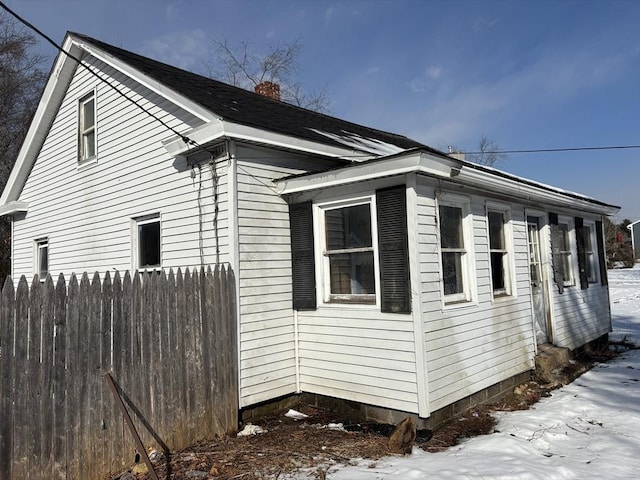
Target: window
561	251
587	260
349	255
42	258
148	242
352	251
454	253
87	128
591	263
499	252
564	253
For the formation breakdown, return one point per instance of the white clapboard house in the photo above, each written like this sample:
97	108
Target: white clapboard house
370	267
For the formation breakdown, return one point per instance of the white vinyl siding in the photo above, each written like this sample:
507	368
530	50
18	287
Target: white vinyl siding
579	315
87	212
477	344
357	352
267	358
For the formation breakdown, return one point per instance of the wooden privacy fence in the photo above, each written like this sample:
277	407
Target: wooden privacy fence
169	341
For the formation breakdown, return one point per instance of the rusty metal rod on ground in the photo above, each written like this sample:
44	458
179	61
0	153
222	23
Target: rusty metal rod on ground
141	450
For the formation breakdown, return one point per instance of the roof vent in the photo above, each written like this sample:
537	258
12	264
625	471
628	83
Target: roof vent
268	89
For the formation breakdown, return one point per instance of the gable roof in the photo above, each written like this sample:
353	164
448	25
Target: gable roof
248	108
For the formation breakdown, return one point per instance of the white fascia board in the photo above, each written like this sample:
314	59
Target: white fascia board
216	130
414	162
52	95
529	193
14	207
153	85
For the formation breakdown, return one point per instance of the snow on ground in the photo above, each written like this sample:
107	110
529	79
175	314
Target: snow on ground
588	429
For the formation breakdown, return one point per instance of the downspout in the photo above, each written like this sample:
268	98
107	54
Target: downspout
234	247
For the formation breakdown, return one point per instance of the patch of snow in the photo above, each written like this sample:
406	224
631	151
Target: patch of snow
295	414
588	429
358	142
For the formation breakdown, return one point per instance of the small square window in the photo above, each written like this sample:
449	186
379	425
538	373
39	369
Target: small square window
148	243
87	128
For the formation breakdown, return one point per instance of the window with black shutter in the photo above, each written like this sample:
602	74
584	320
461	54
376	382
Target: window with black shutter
357	238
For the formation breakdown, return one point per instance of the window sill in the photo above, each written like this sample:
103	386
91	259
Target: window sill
457	304
87	163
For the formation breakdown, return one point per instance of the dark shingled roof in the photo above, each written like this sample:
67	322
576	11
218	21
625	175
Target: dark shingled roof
248	108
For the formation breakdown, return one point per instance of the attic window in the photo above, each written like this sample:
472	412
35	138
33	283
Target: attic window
87	127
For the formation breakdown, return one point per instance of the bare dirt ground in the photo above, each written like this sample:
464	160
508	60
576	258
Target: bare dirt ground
288	446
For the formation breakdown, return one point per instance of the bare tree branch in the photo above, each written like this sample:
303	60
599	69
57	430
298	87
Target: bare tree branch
241	66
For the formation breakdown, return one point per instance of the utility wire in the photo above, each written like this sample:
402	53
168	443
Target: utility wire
566	149
187	140
183	137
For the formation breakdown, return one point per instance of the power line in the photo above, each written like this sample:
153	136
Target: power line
184	138
564	149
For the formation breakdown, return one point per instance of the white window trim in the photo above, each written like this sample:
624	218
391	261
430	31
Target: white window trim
573	249
135	254
469	295
595	261
322	260
82	161
37	245
508	266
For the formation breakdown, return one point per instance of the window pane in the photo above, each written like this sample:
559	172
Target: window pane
450	227
149	244
89	144
43	260
564	237
497	270
566	267
496	238
452	272
88	116
348	227
587	239
352	274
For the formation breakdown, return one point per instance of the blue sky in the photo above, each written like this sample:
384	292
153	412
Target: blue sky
527	74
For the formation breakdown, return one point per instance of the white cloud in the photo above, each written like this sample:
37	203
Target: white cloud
185	49
459	111
328	14
421	84
434	72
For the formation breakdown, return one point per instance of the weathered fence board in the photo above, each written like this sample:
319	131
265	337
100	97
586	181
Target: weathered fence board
168	340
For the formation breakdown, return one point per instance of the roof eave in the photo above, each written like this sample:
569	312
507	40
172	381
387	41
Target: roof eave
214	131
446	168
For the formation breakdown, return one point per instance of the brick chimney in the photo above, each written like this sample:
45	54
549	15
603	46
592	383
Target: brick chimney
268	89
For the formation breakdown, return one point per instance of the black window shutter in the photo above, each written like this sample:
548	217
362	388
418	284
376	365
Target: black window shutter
393	250
556	258
302	256
582	254
602	259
